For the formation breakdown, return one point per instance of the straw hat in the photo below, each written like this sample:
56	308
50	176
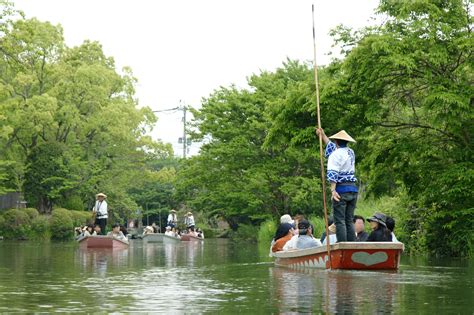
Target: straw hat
342	135
189	213
174	211
101	195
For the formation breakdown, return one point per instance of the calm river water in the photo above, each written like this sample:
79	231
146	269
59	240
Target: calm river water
217	276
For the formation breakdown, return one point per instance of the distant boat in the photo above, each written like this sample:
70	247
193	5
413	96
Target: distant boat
153	237
344	255
167	239
102	241
188	237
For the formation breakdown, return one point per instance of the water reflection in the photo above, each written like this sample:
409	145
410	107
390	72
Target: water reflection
216	276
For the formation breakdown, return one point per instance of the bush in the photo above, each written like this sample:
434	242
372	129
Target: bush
40	228
318	226
80	218
16	224
245	232
62	225
266	232
31	212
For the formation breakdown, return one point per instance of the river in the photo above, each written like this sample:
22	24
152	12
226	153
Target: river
218	276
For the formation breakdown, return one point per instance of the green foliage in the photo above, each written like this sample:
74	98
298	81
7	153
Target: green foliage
73	202
31	212
266	232
80	218
16	224
40	228
69	121
245	233
62	225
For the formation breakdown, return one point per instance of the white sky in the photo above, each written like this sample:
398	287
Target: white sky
185	49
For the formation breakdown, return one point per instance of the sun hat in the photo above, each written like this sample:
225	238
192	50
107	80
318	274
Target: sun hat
342	135
101	195
172	210
286	218
379	218
189	213
168	227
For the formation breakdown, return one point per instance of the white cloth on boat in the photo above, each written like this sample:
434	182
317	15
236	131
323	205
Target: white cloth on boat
394	238
307	241
332	239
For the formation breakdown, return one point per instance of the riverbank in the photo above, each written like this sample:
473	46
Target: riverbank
28	224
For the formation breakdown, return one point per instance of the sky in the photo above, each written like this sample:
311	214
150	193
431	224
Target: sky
182	50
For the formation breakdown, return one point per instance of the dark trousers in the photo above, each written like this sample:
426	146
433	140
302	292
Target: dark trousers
344	215
102	223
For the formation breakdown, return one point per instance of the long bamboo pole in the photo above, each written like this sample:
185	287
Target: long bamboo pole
321	153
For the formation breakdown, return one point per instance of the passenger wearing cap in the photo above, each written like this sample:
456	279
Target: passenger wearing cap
380	232
305	238
283	234
100	211
341	175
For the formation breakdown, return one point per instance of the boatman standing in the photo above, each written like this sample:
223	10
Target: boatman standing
100	212
341	175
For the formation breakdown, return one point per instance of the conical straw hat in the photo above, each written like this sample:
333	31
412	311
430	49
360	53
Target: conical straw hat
342	135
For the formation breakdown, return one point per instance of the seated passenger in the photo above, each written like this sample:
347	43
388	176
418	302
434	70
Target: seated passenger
97	230
359	228
379	233
286	218
124	230
89	231
332	235
199	233
78	232
391	226
169	232
116	233
156	228
148	230
283	234
305	238
330	222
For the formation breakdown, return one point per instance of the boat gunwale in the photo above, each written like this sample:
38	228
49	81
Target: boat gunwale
102	237
340	246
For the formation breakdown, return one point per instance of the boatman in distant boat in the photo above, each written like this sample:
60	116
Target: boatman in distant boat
341	175
100	211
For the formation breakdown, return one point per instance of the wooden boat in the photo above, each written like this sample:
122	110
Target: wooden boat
102	241
345	255
170	239
188	237
153	237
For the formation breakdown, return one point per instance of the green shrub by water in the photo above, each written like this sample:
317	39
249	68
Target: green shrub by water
266	232
16	224
80	218
62	225
40	228
31	212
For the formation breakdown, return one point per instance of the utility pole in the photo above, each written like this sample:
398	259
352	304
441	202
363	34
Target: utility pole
185	142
